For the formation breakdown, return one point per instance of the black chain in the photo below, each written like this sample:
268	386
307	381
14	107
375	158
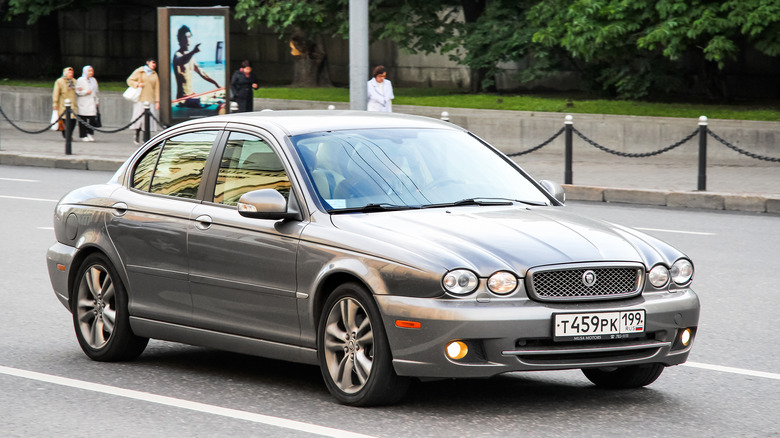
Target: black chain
107	131
31	132
536	148
641	155
742	151
158	121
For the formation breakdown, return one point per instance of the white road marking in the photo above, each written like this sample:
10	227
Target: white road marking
182	404
28	199
731	370
19	180
46	228
697	233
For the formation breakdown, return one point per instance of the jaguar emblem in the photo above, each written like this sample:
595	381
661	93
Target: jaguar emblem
588	278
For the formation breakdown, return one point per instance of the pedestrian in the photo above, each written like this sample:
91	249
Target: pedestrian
380	91
242	83
64	89
145	77
87	92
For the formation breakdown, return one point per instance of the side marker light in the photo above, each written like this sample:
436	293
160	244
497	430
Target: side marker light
407	324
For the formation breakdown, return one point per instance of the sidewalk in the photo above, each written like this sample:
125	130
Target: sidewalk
741	184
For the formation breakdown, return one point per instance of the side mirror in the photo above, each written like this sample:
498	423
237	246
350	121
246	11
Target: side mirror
554	189
265	204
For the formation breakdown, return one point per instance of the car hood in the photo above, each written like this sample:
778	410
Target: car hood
489	239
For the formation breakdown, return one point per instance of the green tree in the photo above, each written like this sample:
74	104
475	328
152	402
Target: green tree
305	23
479	34
636	47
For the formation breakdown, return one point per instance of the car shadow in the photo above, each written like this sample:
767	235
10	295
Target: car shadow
543	392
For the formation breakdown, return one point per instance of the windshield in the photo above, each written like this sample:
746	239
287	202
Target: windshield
409	168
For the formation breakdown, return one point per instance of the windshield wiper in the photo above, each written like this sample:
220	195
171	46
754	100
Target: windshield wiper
482	201
373	207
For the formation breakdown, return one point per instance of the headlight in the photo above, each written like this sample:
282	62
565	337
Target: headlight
502	283
659	276
682	272
460	282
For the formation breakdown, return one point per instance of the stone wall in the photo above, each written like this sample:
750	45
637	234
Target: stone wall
510	131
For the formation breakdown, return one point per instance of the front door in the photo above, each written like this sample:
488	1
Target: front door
242	270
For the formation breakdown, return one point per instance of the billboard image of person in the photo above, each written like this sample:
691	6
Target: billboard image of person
197	65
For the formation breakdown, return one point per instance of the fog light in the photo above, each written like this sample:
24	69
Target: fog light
685	337
457	350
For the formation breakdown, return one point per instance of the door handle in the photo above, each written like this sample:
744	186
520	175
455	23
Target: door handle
120	209
203	222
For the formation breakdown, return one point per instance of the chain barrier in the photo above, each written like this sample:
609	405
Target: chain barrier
536	148
31	132
107	131
151	114
638	155
742	151
514	154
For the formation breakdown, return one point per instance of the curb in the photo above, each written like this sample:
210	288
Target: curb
667	198
663	198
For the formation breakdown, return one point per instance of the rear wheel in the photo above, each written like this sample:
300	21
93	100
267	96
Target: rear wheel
634	376
100	316
353	350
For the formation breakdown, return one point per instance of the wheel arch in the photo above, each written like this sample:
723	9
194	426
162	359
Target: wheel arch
327	285
78	260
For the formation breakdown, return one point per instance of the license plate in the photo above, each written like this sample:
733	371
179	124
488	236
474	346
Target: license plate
598	326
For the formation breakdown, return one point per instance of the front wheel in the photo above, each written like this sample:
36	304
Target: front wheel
100	316
353	350
634	376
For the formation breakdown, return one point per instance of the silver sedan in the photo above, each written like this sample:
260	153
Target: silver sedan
380	247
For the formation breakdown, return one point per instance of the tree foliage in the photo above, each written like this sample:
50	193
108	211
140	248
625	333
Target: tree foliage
642	46
36	9
304	23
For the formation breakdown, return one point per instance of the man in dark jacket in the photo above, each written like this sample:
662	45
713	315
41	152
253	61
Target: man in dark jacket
243	83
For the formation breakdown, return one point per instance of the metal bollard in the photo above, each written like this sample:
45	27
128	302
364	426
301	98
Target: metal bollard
445	116
568	173
702	184
68	129
147	119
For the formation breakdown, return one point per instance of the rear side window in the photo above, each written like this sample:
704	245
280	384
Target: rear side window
247	164
178	169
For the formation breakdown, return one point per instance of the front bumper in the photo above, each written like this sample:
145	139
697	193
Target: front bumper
59	259
517	334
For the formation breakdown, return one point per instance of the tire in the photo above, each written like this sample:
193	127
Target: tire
634	376
353	350
100	317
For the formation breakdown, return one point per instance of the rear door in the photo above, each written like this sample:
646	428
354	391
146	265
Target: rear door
149	225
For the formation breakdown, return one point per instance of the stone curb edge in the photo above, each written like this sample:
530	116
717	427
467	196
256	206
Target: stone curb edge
669	198
664	198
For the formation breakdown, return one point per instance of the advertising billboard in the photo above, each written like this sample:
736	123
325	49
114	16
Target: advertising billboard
194	62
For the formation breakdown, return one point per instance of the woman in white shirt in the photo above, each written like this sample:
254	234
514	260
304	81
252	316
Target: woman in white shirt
380	91
87	101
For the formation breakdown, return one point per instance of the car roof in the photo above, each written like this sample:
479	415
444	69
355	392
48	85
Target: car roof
307	121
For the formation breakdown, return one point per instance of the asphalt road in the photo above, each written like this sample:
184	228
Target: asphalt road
730	387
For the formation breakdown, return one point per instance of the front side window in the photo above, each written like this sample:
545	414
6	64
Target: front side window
248	163
177	169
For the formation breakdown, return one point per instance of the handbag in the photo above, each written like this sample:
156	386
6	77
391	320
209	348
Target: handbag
96	122
132	94
54	117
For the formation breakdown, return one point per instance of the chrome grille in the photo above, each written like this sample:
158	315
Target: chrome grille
567	284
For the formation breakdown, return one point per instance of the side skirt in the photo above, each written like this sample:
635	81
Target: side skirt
222	341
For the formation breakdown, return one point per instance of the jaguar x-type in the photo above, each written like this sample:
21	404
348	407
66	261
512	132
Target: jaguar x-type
379	247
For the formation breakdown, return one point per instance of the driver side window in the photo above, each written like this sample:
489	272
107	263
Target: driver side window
248	163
